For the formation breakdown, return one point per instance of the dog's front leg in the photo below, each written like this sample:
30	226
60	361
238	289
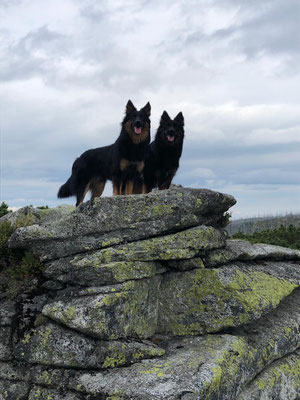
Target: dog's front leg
129	187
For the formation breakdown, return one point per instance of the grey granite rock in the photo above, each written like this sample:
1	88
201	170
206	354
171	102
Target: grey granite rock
5	343
56	346
112	220
13	390
117	311
213	367
40	393
84	272
125	262
208	300
128	285
27	216
7	312
281	380
243	250
14	372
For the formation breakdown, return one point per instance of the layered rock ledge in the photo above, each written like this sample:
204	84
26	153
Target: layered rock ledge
145	297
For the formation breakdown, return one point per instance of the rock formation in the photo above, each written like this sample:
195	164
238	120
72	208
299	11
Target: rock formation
144	297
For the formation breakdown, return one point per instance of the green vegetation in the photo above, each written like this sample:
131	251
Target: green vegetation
16	264
4	209
224	220
286	236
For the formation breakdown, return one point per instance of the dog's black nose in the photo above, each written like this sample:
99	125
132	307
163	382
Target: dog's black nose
171	132
138	123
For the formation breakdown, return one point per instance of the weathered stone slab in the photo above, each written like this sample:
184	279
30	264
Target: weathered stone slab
211	367
208	300
40	393
38	374
195	366
133	260
244	251
59	347
281	380
84	272
118	311
57	378
13	390
112	220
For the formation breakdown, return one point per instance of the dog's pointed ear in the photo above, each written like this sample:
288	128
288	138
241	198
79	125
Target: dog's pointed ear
147	109
129	107
165	116
179	118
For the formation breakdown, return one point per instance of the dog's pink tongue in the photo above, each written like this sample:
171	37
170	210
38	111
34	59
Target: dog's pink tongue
138	131
170	138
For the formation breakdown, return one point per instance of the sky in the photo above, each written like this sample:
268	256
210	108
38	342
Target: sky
68	68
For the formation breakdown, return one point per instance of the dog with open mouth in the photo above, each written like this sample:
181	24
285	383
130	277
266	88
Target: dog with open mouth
131	148
162	160
122	162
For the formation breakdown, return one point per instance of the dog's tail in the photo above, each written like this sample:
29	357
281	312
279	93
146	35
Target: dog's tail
65	190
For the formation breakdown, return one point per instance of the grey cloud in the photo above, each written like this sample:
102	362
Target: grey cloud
21	60
92	13
89	74
272	29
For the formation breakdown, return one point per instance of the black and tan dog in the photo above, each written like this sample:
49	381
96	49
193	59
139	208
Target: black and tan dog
162	160
121	162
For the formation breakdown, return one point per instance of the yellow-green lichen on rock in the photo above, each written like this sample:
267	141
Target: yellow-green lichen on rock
128	311
108	221
207	300
181	245
280	380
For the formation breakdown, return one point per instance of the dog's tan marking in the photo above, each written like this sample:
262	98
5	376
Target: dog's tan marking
129	187
142	137
97	188
140	166
123	164
115	190
144	189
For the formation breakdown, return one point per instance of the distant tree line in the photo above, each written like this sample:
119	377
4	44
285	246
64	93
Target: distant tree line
286	236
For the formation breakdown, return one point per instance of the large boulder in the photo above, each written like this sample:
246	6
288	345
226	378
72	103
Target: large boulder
210	367
112	220
143	297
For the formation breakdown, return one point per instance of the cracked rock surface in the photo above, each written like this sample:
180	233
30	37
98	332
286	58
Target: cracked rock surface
144	297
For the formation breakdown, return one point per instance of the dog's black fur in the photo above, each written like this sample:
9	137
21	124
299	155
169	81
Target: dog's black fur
121	162
162	160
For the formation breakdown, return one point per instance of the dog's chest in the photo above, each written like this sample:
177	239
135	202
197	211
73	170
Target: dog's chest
127	165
